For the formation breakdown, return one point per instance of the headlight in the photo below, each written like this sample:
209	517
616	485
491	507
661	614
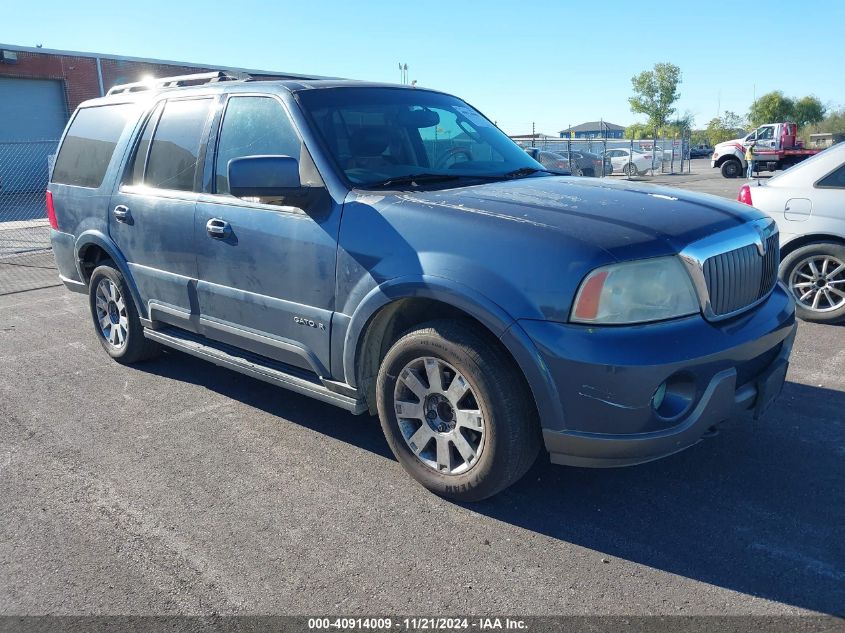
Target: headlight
636	292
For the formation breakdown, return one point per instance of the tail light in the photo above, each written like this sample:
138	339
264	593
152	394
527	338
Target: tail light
648	156
51	211
745	195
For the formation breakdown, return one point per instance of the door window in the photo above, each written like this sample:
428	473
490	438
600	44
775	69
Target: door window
834	180
253	126
174	150
765	133
135	173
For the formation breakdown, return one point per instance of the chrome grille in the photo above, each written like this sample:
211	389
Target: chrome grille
741	277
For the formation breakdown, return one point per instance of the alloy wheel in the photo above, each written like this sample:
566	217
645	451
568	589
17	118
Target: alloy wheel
818	283
439	416
112	318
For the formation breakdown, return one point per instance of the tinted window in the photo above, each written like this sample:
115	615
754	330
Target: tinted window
172	163
88	147
835	179
253	126
136	169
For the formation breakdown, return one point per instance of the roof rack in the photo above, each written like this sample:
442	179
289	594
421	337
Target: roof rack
179	80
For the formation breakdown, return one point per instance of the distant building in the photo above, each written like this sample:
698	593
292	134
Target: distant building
594	129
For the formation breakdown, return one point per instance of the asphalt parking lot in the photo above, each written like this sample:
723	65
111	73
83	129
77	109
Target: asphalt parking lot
179	487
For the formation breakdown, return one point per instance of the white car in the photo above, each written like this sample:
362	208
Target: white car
808	203
627	162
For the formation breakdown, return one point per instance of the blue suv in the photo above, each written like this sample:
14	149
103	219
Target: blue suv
389	250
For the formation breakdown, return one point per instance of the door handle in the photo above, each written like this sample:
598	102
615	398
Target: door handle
121	214
218	229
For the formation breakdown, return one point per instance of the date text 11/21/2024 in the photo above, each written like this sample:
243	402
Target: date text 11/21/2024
417	624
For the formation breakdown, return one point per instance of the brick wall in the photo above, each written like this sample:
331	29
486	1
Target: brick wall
79	74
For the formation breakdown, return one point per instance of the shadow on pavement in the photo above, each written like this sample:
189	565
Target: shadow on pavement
760	509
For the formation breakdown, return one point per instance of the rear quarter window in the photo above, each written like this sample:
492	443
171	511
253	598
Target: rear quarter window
89	144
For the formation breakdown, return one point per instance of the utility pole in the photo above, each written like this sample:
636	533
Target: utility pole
533	134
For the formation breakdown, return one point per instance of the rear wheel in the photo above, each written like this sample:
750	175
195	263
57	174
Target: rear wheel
630	169
731	168
815	275
115	317
456	412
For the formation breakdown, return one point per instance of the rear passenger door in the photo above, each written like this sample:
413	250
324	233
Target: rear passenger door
266	282
152	212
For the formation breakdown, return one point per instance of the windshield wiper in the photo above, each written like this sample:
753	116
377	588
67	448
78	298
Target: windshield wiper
415	179
524	171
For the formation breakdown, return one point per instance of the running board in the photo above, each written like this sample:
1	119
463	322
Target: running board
255	366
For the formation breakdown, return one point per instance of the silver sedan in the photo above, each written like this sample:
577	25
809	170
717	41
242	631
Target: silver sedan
808	203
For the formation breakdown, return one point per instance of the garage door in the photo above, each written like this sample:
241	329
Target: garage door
32	116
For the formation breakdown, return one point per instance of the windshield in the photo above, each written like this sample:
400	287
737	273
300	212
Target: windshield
380	135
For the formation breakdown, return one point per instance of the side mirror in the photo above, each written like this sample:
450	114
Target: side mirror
264	176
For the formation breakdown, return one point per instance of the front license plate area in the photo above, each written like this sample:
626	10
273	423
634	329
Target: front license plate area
769	387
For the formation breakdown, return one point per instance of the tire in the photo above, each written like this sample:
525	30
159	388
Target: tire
115	317
630	170
731	168
578	172
814	274
502	435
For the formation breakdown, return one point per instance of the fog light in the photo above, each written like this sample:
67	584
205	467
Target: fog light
659	395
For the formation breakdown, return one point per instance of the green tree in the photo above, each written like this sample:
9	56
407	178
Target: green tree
834	122
772	107
655	92
724	128
637	131
808	110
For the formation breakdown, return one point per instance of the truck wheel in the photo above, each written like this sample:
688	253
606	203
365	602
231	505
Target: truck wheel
116	318
815	275
731	168
456	412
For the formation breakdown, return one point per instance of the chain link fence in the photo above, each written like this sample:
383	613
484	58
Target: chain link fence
629	158
26	261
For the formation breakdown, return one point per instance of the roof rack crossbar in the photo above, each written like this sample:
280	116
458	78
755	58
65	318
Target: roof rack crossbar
178	80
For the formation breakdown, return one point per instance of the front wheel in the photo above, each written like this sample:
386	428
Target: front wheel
731	168
115	316
815	275
456	412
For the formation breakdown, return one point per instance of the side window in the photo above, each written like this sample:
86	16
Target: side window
89	144
834	180
765	133
135	173
172	161
253	126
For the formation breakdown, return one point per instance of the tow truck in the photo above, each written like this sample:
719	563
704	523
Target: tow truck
775	147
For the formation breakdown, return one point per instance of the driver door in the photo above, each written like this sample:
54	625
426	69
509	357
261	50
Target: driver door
266	267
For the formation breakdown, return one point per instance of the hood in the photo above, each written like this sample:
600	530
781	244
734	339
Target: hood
730	145
628	220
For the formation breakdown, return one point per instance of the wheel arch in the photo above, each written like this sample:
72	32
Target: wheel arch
92	247
393	308
805	240
725	158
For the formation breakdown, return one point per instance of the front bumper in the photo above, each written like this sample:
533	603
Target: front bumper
607	378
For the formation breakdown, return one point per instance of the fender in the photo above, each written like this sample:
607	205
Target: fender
98	238
475	304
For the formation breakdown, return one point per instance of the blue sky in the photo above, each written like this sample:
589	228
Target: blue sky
554	63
